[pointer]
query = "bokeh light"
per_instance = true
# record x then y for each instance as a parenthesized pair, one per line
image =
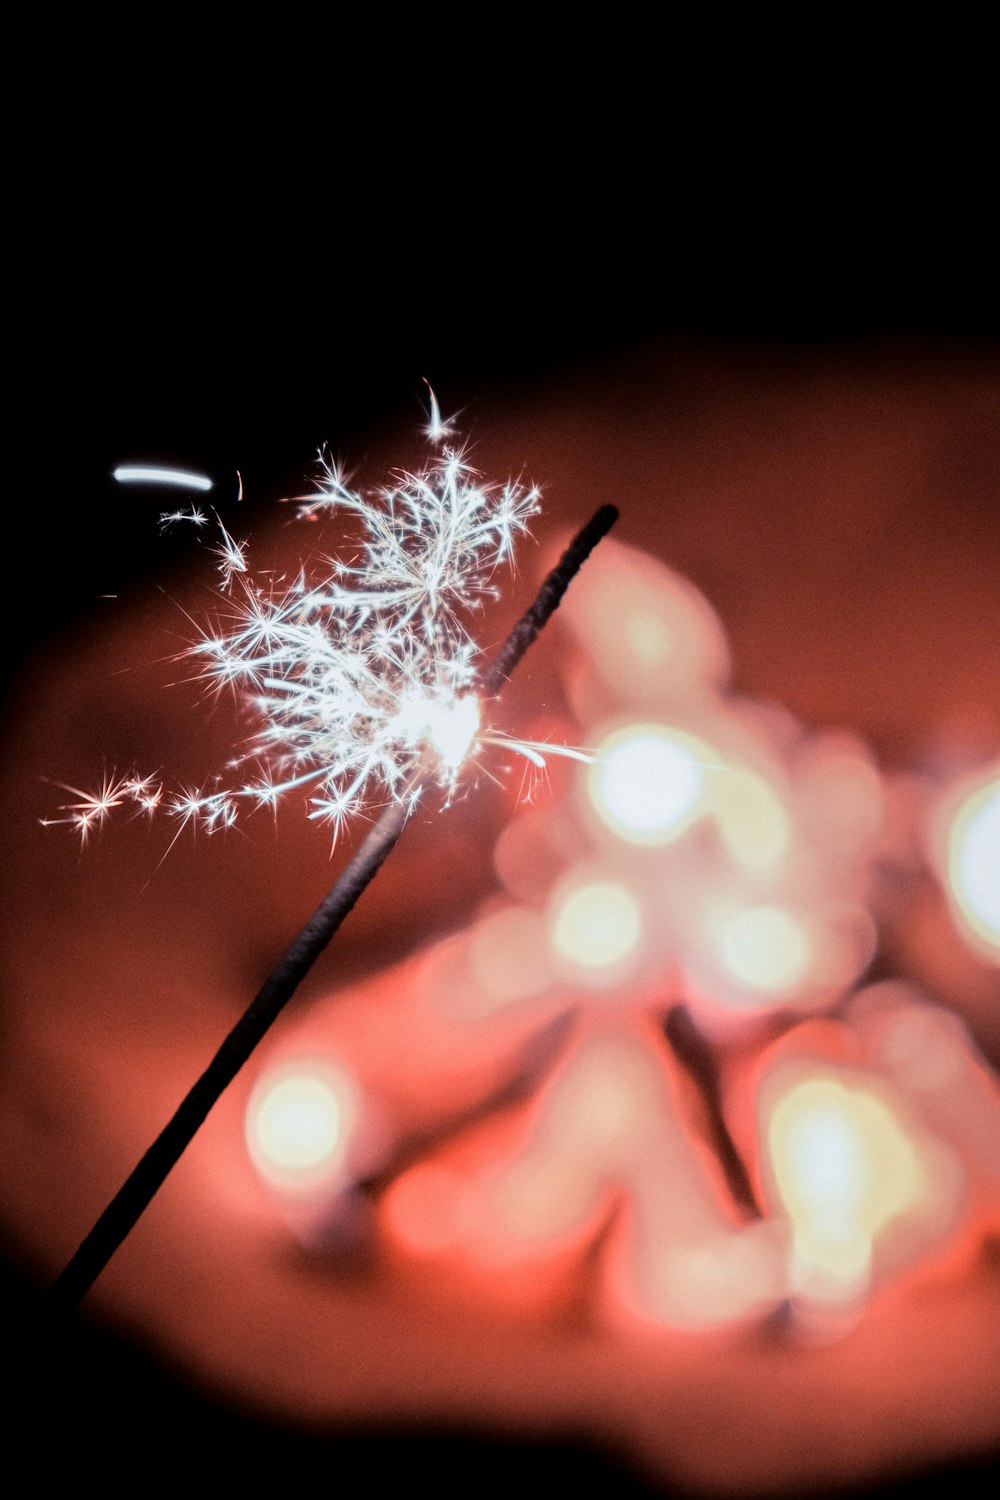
(597, 926)
(753, 824)
(647, 782)
(973, 857)
(767, 948)
(844, 1169)
(552, 1085)
(299, 1120)
(650, 635)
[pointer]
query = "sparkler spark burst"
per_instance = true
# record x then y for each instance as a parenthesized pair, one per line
(362, 678)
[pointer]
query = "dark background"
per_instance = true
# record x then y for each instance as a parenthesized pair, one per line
(241, 322)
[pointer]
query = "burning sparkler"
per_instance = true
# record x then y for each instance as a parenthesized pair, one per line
(361, 677)
(362, 680)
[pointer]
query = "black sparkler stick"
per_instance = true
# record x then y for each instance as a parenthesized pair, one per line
(135, 1194)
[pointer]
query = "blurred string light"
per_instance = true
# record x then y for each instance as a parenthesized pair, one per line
(931, 1054)
(724, 842)
(870, 1160)
(511, 959)
(605, 1150)
(719, 853)
(753, 823)
(651, 637)
(556, 1170)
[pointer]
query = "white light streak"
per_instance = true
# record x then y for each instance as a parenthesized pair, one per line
(146, 474)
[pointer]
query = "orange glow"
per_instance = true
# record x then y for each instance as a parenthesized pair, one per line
(511, 958)
(420, 1210)
(606, 1145)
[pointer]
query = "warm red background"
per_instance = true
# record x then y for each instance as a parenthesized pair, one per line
(838, 505)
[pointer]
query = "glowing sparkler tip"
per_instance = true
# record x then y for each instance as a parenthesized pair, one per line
(448, 724)
(647, 782)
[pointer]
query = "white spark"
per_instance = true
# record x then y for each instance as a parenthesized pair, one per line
(146, 474)
(232, 557)
(360, 678)
(193, 514)
(93, 808)
(437, 429)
